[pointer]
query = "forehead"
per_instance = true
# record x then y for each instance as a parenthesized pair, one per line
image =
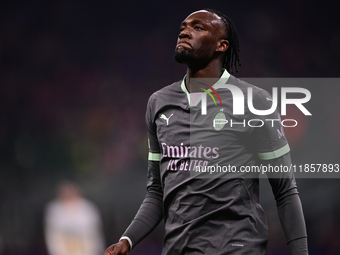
(205, 17)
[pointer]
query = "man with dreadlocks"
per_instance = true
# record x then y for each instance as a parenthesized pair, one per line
(207, 213)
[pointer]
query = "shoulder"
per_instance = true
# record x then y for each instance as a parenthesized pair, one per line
(243, 85)
(52, 205)
(164, 96)
(259, 95)
(89, 205)
(167, 91)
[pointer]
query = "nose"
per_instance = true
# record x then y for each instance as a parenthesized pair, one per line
(184, 33)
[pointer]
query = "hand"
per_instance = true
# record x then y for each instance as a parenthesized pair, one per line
(120, 248)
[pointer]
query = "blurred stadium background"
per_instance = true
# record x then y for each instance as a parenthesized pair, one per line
(74, 81)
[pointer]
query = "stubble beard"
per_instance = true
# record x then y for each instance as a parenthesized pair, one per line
(184, 56)
(190, 59)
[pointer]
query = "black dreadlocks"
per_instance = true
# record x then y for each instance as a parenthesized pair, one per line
(232, 57)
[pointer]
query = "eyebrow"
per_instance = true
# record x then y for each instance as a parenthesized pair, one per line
(195, 21)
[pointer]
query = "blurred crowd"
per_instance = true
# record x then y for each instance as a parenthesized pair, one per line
(74, 81)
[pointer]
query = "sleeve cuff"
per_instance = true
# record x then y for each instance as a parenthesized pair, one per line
(154, 156)
(128, 239)
(274, 154)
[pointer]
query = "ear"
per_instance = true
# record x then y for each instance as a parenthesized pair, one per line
(223, 45)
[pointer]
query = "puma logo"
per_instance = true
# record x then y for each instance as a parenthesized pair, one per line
(166, 118)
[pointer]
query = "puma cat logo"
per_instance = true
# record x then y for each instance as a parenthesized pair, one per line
(166, 118)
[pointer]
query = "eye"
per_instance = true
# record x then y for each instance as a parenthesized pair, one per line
(198, 28)
(181, 29)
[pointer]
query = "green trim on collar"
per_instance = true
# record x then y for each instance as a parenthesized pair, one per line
(225, 75)
(184, 88)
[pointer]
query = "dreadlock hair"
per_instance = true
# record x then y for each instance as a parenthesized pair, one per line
(232, 57)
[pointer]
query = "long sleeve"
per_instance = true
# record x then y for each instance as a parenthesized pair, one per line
(150, 212)
(272, 148)
(289, 207)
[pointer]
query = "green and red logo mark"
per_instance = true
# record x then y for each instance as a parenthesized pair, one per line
(208, 92)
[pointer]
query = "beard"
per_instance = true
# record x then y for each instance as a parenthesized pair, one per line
(184, 57)
(192, 57)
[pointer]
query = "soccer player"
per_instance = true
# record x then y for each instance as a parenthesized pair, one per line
(216, 211)
(73, 224)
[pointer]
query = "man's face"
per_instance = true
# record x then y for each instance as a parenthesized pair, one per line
(200, 38)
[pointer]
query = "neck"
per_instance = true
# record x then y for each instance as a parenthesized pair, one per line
(213, 71)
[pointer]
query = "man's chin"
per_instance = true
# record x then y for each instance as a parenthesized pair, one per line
(183, 56)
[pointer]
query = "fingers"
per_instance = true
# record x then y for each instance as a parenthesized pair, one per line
(109, 250)
(117, 249)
